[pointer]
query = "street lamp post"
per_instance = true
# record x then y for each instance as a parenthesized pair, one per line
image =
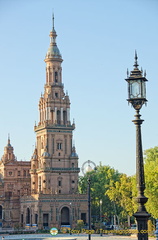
(137, 97)
(91, 166)
(70, 216)
(101, 217)
(89, 208)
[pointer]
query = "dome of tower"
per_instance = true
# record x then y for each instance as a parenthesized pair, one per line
(74, 154)
(53, 52)
(46, 153)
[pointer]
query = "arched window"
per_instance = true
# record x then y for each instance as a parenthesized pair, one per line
(22, 218)
(39, 183)
(64, 117)
(36, 218)
(28, 216)
(65, 216)
(58, 117)
(56, 77)
(0, 212)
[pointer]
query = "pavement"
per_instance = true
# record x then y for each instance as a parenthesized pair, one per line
(65, 237)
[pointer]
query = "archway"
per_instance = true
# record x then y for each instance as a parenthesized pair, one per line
(65, 216)
(28, 216)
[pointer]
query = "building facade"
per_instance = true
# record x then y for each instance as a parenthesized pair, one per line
(49, 197)
(15, 182)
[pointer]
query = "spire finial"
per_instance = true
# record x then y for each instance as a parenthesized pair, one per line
(136, 63)
(8, 138)
(53, 20)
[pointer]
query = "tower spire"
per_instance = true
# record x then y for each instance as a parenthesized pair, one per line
(53, 51)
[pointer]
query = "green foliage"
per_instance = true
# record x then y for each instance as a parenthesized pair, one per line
(121, 194)
(118, 191)
(151, 227)
(101, 179)
(80, 224)
(151, 179)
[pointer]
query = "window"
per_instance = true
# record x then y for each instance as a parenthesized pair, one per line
(22, 218)
(56, 77)
(0, 212)
(58, 117)
(73, 181)
(59, 146)
(18, 173)
(59, 191)
(36, 218)
(56, 95)
(10, 173)
(53, 145)
(59, 183)
(73, 165)
(65, 146)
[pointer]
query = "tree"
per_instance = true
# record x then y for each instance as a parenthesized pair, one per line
(120, 192)
(151, 179)
(100, 182)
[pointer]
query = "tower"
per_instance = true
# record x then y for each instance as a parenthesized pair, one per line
(54, 199)
(57, 162)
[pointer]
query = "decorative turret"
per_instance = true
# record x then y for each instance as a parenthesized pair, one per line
(34, 167)
(8, 155)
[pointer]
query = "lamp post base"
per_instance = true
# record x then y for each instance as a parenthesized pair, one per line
(142, 224)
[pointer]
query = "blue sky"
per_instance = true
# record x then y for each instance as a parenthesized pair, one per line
(97, 40)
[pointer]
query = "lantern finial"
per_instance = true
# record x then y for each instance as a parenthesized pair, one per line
(145, 73)
(127, 73)
(136, 63)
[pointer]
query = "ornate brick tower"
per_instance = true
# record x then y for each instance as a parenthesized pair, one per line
(54, 164)
(57, 161)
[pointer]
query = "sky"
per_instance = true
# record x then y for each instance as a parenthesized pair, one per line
(97, 40)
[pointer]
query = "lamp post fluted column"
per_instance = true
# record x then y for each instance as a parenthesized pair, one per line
(137, 97)
(91, 166)
(89, 208)
(141, 215)
(101, 217)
